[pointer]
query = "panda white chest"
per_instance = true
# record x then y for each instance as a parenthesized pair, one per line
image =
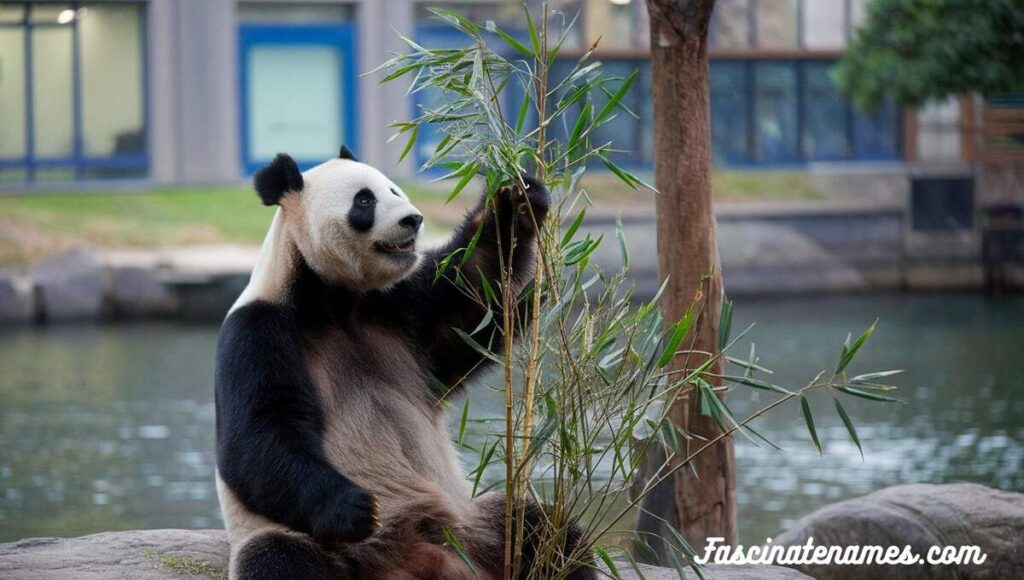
(381, 427)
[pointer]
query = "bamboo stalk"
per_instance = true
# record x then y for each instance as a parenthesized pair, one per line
(532, 371)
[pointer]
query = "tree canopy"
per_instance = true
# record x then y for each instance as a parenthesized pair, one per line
(919, 50)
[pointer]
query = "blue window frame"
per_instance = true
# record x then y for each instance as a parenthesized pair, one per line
(276, 114)
(77, 153)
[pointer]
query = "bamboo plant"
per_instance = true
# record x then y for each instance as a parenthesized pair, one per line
(585, 386)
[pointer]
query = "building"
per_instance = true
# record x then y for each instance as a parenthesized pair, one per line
(205, 91)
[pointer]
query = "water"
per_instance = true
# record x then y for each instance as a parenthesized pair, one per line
(109, 428)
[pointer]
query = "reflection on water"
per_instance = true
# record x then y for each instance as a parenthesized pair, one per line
(106, 428)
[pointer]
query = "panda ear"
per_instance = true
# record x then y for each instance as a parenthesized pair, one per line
(346, 153)
(280, 177)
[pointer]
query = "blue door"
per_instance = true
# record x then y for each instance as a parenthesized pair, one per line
(298, 87)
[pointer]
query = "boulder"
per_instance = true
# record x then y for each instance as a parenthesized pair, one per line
(920, 516)
(71, 287)
(135, 555)
(138, 293)
(17, 298)
(203, 554)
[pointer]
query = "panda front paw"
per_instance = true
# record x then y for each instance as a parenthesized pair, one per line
(532, 203)
(352, 517)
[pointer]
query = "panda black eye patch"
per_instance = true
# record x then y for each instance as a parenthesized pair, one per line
(360, 215)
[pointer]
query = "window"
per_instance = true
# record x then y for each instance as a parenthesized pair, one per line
(775, 112)
(730, 113)
(72, 101)
(827, 115)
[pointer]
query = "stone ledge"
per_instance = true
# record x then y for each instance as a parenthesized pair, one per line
(203, 555)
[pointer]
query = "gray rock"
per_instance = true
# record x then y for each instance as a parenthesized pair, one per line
(17, 298)
(71, 287)
(135, 555)
(921, 516)
(138, 293)
(158, 554)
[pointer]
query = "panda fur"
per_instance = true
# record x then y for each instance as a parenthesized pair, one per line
(333, 457)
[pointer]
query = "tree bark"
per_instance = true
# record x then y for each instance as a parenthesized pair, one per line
(699, 502)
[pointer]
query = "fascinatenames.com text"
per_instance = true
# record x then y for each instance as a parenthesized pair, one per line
(717, 552)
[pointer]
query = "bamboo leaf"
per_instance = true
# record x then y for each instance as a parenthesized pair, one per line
(757, 384)
(678, 333)
(478, 347)
(724, 324)
(488, 316)
(607, 559)
(850, 351)
(616, 98)
(809, 419)
(462, 422)
(534, 39)
(868, 396)
(872, 377)
(409, 143)
(849, 427)
(515, 44)
(573, 227)
(621, 235)
(485, 460)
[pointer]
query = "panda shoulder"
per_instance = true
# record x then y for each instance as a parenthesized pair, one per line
(257, 331)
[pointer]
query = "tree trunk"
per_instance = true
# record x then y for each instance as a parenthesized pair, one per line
(701, 504)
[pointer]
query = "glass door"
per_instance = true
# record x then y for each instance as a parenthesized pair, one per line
(298, 90)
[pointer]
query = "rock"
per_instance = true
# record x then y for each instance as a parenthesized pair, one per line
(203, 554)
(921, 516)
(716, 572)
(136, 555)
(17, 298)
(137, 293)
(71, 287)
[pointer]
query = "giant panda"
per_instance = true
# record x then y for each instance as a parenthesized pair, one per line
(333, 459)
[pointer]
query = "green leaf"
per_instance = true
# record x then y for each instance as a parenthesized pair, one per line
(849, 426)
(678, 333)
(409, 143)
(571, 231)
(616, 98)
(810, 423)
(478, 347)
(524, 108)
(621, 235)
(515, 44)
(724, 324)
(485, 460)
(851, 351)
(868, 396)
(757, 384)
(607, 559)
(534, 39)
(872, 377)
(462, 422)
(488, 316)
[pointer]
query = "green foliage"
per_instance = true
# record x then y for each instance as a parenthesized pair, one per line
(920, 50)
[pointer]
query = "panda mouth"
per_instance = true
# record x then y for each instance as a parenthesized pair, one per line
(400, 248)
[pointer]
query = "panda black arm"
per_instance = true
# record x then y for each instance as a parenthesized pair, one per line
(447, 307)
(269, 427)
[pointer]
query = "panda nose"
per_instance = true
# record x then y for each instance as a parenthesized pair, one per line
(412, 221)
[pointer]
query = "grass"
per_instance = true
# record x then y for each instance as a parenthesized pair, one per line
(186, 565)
(36, 226)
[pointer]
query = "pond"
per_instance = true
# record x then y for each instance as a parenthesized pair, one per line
(111, 427)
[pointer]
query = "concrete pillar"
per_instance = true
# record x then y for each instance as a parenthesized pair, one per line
(379, 104)
(193, 91)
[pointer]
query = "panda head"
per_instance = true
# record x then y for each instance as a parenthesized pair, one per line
(353, 226)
